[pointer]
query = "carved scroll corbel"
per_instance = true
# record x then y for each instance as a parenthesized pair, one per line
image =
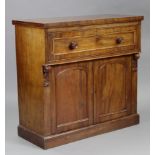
(136, 56)
(46, 69)
(134, 61)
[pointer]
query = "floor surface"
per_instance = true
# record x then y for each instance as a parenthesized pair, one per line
(128, 141)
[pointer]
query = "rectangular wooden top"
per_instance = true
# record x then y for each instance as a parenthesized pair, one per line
(78, 21)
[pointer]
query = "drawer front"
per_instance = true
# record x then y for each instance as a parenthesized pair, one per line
(96, 41)
(76, 44)
(115, 40)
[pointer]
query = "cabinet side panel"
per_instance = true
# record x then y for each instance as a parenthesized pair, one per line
(30, 55)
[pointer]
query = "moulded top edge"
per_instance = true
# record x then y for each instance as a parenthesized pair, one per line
(77, 21)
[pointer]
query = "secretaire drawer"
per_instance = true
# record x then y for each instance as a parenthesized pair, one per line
(82, 44)
(95, 41)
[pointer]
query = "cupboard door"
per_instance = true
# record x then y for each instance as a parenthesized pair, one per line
(71, 86)
(112, 87)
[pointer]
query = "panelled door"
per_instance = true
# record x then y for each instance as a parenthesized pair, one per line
(87, 93)
(112, 88)
(71, 88)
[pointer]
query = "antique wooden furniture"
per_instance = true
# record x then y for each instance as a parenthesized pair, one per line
(77, 76)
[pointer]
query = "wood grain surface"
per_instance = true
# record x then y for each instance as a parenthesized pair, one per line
(78, 20)
(77, 76)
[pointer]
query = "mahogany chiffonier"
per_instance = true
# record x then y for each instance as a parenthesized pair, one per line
(77, 76)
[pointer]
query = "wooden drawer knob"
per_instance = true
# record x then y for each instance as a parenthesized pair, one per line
(119, 40)
(73, 45)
